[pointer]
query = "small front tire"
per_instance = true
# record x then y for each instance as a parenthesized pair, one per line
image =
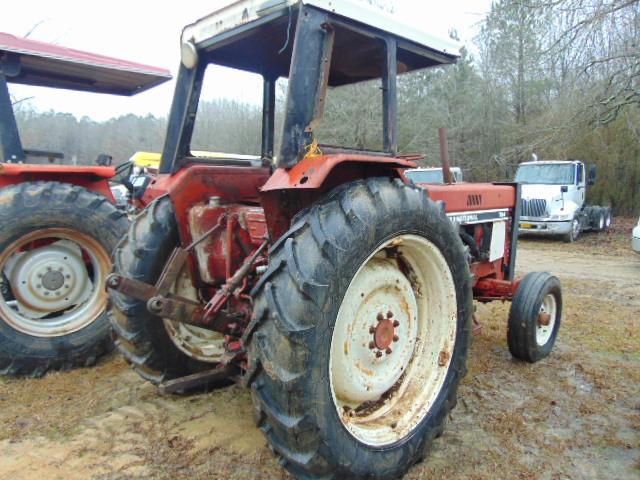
(534, 318)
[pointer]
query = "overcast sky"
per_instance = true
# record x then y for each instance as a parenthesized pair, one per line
(148, 32)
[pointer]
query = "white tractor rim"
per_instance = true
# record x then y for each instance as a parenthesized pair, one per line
(546, 319)
(58, 287)
(393, 340)
(198, 343)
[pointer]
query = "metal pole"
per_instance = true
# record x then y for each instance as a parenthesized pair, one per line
(10, 144)
(444, 156)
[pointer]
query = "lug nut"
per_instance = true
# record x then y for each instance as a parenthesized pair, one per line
(380, 317)
(67, 276)
(38, 286)
(388, 351)
(372, 345)
(396, 323)
(39, 275)
(396, 338)
(389, 314)
(112, 282)
(48, 269)
(372, 329)
(46, 293)
(378, 354)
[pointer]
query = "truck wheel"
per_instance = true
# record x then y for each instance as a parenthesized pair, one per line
(608, 217)
(534, 318)
(573, 234)
(55, 244)
(360, 333)
(158, 349)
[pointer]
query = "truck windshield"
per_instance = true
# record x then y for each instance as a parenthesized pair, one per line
(425, 176)
(547, 174)
(432, 176)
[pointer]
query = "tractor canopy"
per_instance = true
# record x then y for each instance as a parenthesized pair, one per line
(258, 36)
(315, 44)
(30, 62)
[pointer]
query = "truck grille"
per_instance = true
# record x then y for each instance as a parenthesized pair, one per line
(535, 207)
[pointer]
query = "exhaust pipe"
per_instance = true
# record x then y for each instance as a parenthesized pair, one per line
(444, 156)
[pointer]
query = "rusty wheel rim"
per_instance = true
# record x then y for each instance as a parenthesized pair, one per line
(198, 343)
(393, 340)
(57, 280)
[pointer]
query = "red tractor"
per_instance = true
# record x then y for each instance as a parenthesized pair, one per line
(340, 293)
(59, 222)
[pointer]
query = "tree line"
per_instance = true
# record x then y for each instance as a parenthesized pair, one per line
(558, 78)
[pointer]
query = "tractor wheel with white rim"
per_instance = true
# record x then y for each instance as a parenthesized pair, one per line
(158, 349)
(360, 332)
(534, 318)
(55, 246)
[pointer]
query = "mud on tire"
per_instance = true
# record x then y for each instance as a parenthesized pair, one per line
(140, 336)
(297, 303)
(25, 210)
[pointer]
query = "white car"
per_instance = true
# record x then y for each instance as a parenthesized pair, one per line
(635, 238)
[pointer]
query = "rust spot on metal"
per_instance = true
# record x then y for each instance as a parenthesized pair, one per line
(443, 357)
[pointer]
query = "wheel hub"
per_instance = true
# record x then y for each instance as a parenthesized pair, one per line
(49, 279)
(53, 280)
(384, 333)
(373, 362)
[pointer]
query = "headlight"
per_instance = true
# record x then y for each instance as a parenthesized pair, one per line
(560, 216)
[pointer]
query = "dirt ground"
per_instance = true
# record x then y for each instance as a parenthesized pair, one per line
(575, 415)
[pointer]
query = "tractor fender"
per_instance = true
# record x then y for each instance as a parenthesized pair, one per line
(312, 172)
(94, 178)
(289, 191)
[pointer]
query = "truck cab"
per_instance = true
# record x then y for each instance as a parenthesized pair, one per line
(554, 199)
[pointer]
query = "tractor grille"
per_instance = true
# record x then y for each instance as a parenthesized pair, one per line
(535, 207)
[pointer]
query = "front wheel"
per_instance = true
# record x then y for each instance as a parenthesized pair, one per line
(55, 246)
(534, 318)
(573, 234)
(360, 333)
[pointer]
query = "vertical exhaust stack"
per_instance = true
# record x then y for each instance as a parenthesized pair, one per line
(444, 156)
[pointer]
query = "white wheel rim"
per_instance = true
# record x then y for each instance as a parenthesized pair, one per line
(601, 223)
(381, 396)
(198, 343)
(576, 228)
(548, 307)
(58, 287)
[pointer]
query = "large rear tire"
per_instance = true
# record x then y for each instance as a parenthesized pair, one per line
(158, 349)
(360, 333)
(55, 246)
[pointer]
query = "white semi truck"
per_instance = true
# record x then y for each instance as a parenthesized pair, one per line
(553, 199)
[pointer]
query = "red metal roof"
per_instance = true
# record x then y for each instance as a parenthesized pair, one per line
(31, 62)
